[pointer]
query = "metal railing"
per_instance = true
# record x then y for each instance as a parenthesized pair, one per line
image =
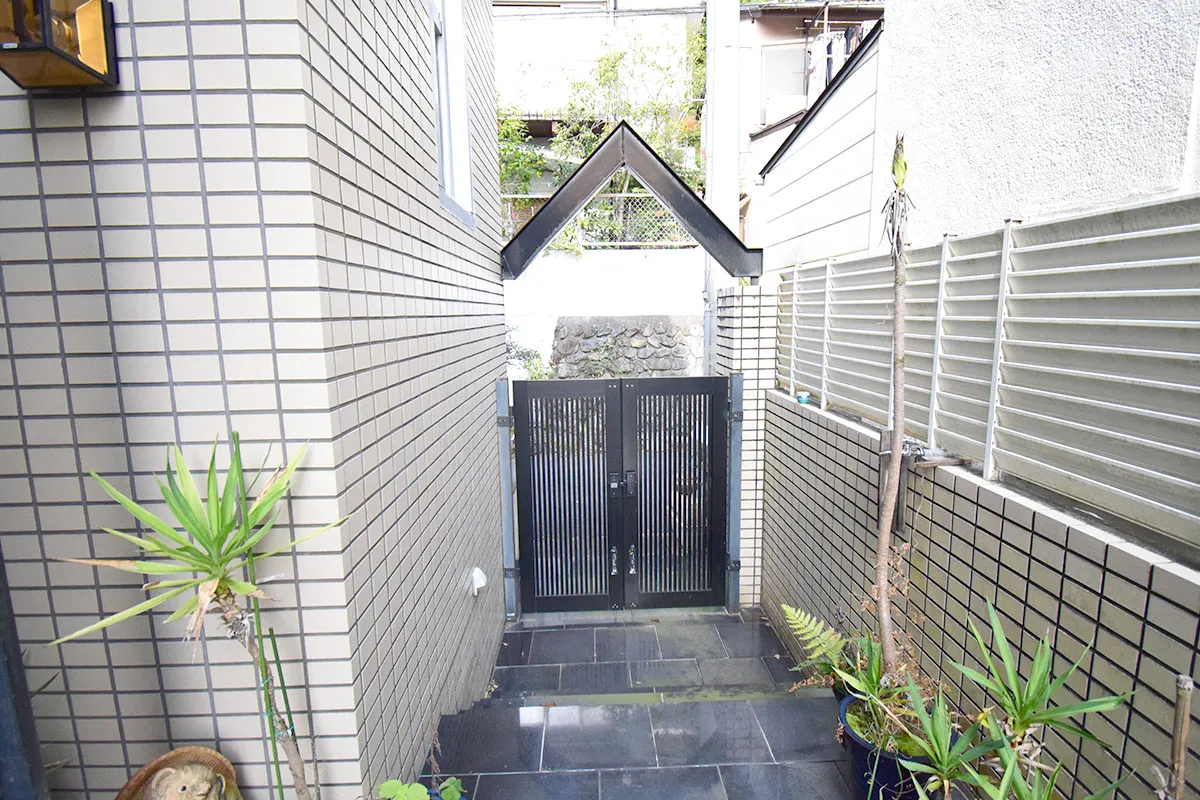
(1065, 353)
(610, 220)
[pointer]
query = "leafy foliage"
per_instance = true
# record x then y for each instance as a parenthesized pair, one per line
(219, 532)
(520, 161)
(823, 645)
(946, 756)
(399, 790)
(1026, 705)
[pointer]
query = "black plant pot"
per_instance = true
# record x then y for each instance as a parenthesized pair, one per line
(878, 773)
(839, 691)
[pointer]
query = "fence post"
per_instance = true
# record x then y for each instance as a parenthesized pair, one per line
(825, 335)
(733, 557)
(507, 529)
(795, 335)
(931, 430)
(989, 445)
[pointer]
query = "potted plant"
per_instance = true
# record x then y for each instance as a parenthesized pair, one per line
(208, 556)
(905, 741)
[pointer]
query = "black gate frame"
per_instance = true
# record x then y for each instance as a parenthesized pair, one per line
(620, 397)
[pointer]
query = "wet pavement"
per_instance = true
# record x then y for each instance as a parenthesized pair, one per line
(681, 704)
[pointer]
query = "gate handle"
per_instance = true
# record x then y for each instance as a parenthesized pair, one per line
(630, 483)
(632, 559)
(615, 566)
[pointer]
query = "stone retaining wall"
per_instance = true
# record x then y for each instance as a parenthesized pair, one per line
(641, 346)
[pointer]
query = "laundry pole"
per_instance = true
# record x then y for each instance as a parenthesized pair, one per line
(721, 148)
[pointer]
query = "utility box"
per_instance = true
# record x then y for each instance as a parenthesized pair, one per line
(58, 43)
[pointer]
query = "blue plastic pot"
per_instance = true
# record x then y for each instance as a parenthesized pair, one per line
(878, 773)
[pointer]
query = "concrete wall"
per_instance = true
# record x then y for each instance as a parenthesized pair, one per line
(746, 326)
(601, 283)
(247, 236)
(974, 541)
(818, 198)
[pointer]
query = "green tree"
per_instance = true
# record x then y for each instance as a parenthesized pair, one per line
(520, 161)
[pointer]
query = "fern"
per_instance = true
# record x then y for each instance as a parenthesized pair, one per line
(821, 642)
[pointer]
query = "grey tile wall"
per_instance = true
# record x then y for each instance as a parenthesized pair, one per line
(974, 541)
(247, 236)
(746, 330)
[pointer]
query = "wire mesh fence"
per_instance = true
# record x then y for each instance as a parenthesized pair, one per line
(627, 220)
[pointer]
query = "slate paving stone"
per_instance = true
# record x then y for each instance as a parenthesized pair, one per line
(627, 644)
(590, 737)
(539, 786)
(688, 783)
(588, 678)
(517, 680)
(800, 729)
(514, 649)
(563, 647)
(781, 670)
(690, 641)
(816, 781)
(660, 674)
(708, 733)
(735, 672)
(749, 640)
(491, 739)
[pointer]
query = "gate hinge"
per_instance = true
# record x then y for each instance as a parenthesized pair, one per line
(510, 572)
(504, 422)
(736, 416)
(735, 565)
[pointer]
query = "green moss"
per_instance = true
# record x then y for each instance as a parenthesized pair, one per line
(902, 743)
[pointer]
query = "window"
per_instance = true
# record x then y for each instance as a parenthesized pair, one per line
(783, 68)
(450, 68)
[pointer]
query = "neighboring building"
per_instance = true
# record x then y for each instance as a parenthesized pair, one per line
(625, 238)
(276, 224)
(1089, 106)
(789, 53)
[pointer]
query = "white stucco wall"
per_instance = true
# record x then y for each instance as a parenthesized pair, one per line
(1018, 109)
(601, 283)
(1032, 107)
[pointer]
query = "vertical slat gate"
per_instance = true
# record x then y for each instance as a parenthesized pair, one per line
(622, 492)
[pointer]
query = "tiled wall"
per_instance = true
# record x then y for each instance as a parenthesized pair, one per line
(973, 541)
(247, 236)
(746, 317)
(416, 331)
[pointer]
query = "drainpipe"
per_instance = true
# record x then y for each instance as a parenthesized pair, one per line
(722, 146)
(504, 422)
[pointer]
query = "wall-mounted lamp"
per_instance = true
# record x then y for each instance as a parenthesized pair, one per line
(58, 43)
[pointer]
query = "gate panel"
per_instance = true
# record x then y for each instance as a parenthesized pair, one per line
(675, 455)
(568, 441)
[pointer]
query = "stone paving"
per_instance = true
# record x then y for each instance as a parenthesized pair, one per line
(684, 705)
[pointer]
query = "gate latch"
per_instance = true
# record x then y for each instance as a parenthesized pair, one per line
(735, 565)
(616, 567)
(504, 422)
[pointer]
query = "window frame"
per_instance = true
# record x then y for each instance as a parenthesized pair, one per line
(452, 109)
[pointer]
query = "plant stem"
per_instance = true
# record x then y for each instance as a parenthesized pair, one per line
(891, 490)
(237, 624)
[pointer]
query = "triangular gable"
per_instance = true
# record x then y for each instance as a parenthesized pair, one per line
(624, 148)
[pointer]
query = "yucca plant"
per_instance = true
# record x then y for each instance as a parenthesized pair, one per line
(211, 556)
(1026, 704)
(947, 756)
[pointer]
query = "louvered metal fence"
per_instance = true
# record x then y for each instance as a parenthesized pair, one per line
(1065, 353)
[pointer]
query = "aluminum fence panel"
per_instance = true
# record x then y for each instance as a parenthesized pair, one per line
(1065, 353)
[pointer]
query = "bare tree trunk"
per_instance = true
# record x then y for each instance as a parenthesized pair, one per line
(891, 487)
(239, 628)
(895, 219)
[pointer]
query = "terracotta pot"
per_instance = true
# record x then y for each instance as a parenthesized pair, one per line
(133, 788)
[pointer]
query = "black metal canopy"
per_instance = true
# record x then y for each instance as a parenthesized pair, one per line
(624, 148)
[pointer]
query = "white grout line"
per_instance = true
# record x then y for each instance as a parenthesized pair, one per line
(763, 731)
(653, 736)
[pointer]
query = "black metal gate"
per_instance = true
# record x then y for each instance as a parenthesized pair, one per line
(621, 492)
